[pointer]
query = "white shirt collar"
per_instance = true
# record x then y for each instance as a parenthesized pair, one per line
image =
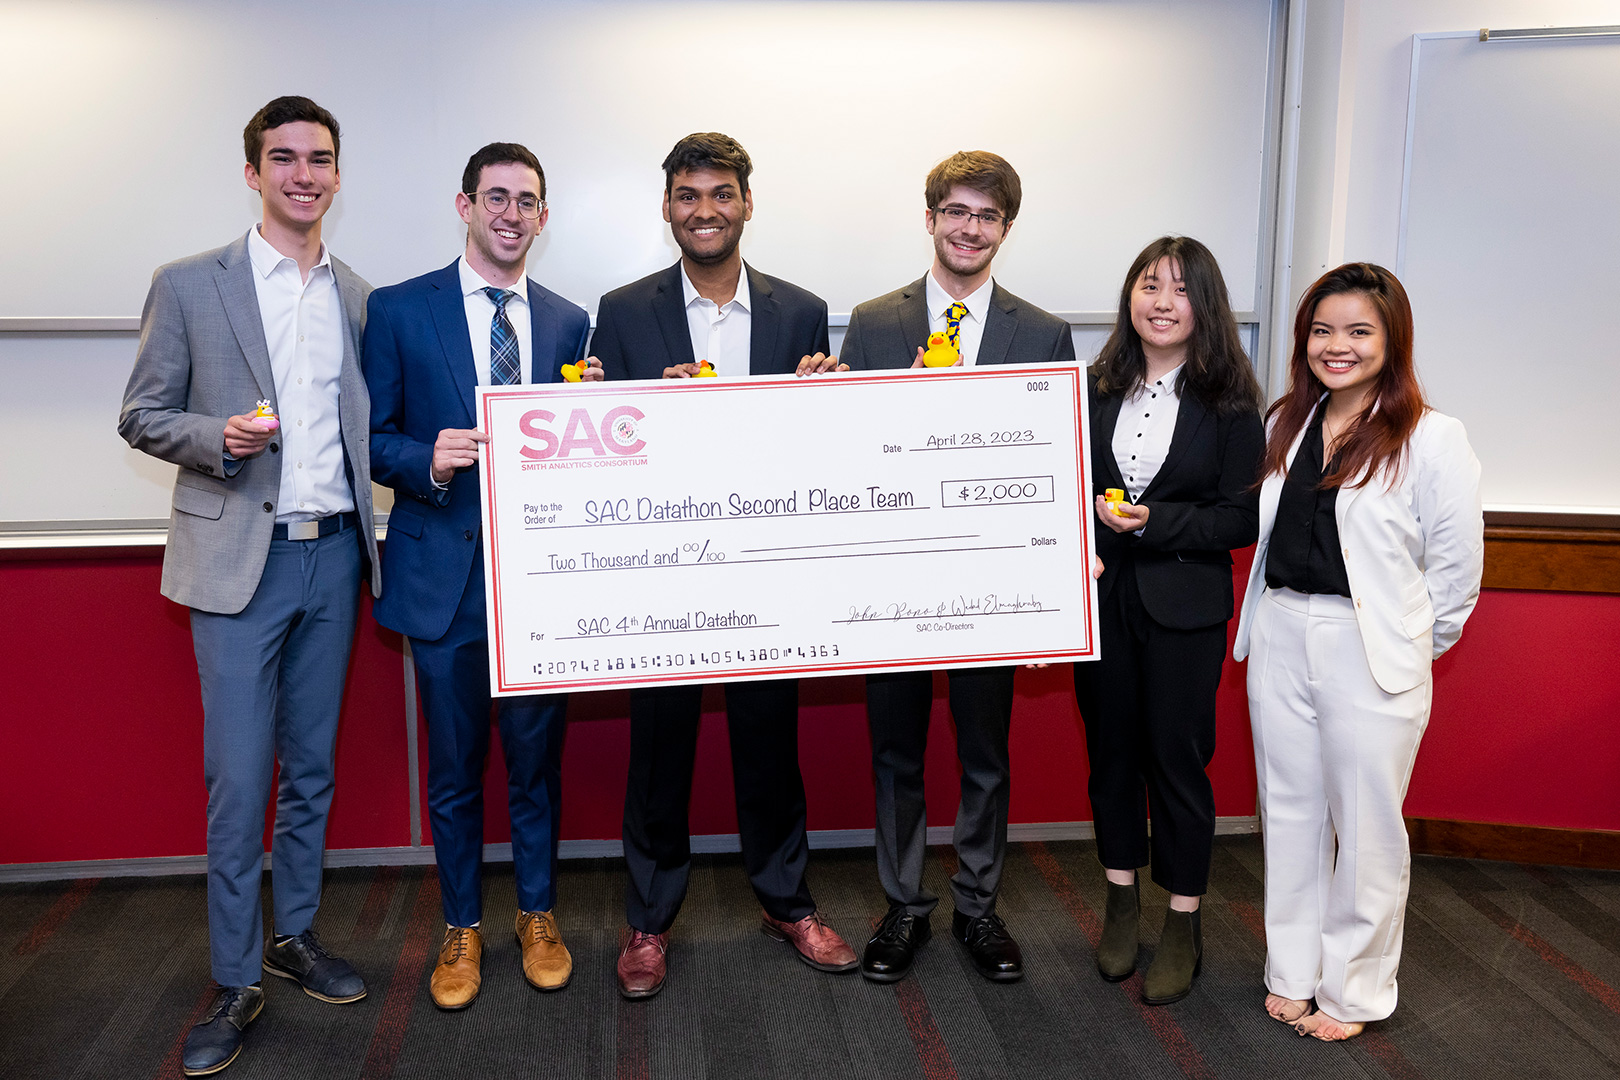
(977, 302)
(1170, 381)
(739, 296)
(266, 258)
(473, 282)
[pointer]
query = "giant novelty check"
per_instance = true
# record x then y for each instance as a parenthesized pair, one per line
(654, 533)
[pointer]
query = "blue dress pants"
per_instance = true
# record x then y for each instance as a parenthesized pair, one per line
(272, 686)
(452, 676)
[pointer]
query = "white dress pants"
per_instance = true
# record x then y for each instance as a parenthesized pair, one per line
(1333, 753)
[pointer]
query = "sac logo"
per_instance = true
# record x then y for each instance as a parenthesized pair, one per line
(581, 435)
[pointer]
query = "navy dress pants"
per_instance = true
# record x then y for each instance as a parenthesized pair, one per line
(452, 675)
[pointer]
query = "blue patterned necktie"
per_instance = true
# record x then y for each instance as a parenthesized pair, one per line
(505, 369)
(953, 324)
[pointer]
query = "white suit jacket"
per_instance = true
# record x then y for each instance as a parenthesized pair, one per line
(1414, 553)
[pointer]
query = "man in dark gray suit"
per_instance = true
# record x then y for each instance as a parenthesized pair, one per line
(270, 527)
(972, 198)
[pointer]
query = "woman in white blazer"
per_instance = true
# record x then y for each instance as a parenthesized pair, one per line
(1369, 561)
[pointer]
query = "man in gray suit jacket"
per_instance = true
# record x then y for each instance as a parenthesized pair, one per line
(270, 527)
(972, 198)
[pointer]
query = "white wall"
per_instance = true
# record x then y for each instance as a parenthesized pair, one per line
(1348, 174)
(120, 149)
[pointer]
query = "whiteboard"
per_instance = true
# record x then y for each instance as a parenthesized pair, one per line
(1509, 241)
(122, 150)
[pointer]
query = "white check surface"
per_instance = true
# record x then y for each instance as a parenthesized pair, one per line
(644, 534)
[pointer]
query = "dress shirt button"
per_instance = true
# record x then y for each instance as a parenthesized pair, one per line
(467, 534)
(1146, 415)
(1358, 601)
(300, 464)
(268, 508)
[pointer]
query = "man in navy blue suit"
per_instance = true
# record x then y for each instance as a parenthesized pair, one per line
(710, 306)
(429, 343)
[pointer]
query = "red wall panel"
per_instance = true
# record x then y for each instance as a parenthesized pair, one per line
(101, 729)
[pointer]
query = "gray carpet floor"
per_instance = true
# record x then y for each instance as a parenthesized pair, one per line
(1508, 971)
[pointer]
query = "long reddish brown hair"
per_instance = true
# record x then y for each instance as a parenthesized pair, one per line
(1376, 441)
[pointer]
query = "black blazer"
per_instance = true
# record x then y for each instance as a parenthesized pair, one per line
(1200, 508)
(641, 328)
(886, 332)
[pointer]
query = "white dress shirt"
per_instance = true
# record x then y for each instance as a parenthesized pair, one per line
(1147, 420)
(977, 303)
(481, 317)
(722, 334)
(303, 330)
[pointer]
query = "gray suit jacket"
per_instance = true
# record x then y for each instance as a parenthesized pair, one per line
(203, 358)
(886, 332)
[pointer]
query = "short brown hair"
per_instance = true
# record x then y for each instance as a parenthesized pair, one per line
(500, 153)
(291, 109)
(708, 150)
(980, 170)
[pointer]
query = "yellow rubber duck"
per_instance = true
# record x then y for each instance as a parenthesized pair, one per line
(572, 372)
(1115, 499)
(265, 416)
(706, 370)
(941, 353)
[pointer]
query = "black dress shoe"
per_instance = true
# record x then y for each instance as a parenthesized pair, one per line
(321, 974)
(994, 952)
(893, 946)
(214, 1043)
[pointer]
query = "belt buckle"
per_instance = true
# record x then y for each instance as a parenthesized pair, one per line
(303, 530)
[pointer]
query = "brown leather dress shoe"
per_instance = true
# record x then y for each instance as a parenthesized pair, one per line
(817, 943)
(456, 977)
(546, 961)
(641, 964)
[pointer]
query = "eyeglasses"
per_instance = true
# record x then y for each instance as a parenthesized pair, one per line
(961, 214)
(495, 201)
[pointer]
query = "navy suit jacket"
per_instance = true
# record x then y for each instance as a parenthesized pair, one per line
(1202, 505)
(418, 362)
(641, 328)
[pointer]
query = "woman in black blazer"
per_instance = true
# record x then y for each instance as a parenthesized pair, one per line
(1175, 422)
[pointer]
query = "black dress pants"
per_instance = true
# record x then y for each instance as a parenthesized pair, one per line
(897, 710)
(1149, 708)
(763, 721)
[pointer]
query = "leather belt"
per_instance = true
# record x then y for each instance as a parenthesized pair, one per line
(314, 530)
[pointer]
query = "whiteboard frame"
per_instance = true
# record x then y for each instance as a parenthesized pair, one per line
(1595, 512)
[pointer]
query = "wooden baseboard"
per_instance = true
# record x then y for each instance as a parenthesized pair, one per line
(1594, 849)
(1552, 552)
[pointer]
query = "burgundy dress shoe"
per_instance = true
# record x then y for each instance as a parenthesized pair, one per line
(817, 943)
(641, 964)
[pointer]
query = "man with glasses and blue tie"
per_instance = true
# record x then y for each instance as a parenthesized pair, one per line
(971, 199)
(429, 343)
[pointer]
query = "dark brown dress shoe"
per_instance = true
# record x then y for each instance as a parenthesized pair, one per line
(642, 965)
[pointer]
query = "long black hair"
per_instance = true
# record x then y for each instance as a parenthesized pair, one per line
(1217, 370)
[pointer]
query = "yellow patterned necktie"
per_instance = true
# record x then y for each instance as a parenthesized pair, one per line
(953, 324)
